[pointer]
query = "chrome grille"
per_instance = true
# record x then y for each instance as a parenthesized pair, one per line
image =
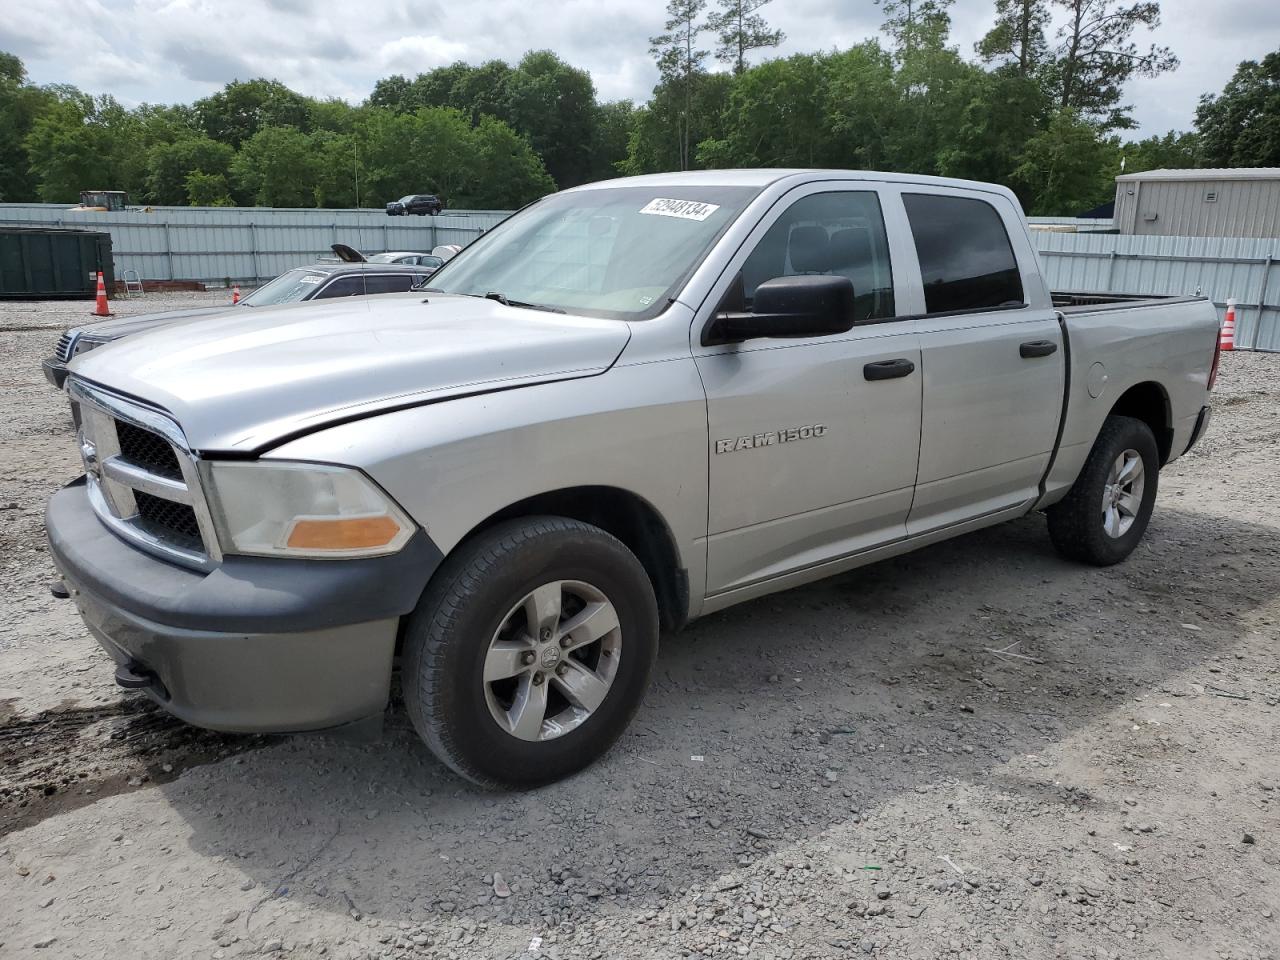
(144, 483)
(66, 345)
(173, 521)
(147, 450)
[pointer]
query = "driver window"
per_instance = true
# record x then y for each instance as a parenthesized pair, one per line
(837, 234)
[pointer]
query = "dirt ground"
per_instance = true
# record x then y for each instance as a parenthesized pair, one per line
(979, 750)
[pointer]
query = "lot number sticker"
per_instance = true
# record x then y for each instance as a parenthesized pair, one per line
(683, 209)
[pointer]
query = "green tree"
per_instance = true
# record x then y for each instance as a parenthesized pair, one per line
(680, 62)
(696, 111)
(1096, 57)
(505, 172)
(80, 143)
(911, 23)
(1064, 169)
(776, 117)
(932, 87)
(739, 30)
(1241, 126)
(862, 104)
(1173, 151)
(169, 165)
(208, 190)
(277, 167)
(553, 105)
(20, 105)
(1017, 38)
(1000, 113)
(234, 114)
(613, 126)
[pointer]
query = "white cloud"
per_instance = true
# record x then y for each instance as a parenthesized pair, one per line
(177, 50)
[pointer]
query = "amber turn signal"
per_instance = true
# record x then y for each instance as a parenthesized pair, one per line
(343, 533)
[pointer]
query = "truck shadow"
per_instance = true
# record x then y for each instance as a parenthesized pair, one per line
(800, 713)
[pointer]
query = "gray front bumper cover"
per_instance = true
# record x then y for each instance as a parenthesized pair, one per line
(258, 644)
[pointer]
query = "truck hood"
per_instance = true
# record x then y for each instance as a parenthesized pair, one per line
(128, 326)
(249, 378)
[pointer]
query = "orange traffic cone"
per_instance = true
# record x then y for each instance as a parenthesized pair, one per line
(100, 308)
(235, 294)
(1227, 337)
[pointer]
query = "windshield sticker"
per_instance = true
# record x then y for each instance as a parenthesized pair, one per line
(311, 278)
(683, 209)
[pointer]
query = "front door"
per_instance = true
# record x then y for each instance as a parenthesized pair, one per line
(814, 441)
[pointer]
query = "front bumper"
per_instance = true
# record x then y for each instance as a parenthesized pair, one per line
(55, 372)
(256, 645)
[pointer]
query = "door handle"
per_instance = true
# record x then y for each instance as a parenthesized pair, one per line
(888, 369)
(1037, 348)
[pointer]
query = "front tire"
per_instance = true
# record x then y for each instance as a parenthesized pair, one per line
(530, 651)
(1102, 519)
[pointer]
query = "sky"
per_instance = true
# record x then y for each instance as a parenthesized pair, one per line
(166, 51)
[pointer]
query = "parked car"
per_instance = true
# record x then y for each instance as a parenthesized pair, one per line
(632, 404)
(419, 204)
(319, 281)
(414, 259)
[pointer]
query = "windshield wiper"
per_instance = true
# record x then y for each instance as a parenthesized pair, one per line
(507, 302)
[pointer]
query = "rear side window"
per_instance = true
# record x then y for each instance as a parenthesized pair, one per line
(399, 283)
(343, 287)
(965, 255)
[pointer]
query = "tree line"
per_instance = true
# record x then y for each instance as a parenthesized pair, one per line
(1040, 109)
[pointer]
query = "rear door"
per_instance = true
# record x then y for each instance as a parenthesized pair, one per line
(812, 458)
(992, 358)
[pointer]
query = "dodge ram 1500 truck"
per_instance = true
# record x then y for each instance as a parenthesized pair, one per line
(631, 404)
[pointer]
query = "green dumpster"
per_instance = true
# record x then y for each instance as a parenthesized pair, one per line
(39, 263)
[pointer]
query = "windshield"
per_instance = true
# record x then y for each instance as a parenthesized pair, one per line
(287, 288)
(384, 257)
(408, 198)
(618, 252)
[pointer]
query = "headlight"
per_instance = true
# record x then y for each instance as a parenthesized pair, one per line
(282, 509)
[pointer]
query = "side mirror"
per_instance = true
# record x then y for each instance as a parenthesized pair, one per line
(804, 306)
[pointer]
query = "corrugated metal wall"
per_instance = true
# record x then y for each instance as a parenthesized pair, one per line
(1243, 208)
(1217, 267)
(243, 244)
(249, 244)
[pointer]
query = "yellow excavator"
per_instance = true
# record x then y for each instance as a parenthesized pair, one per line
(102, 201)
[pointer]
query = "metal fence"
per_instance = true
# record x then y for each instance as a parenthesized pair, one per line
(1217, 267)
(249, 244)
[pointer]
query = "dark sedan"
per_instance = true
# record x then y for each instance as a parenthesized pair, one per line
(417, 204)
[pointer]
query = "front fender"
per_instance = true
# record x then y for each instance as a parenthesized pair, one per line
(640, 428)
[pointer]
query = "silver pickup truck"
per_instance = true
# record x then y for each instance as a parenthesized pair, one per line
(632, 404)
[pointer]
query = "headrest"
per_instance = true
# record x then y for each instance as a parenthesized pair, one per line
(808, 249)
(850, 248)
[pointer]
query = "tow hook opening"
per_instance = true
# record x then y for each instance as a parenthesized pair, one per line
(135, 676)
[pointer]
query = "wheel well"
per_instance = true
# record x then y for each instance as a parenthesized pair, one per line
(633, 521)
(1149, 403)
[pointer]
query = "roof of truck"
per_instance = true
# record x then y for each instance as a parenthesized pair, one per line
(764, 177)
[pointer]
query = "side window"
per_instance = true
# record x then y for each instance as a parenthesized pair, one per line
(838, 233)
(965, 256)
(389, 283)
(343, 287)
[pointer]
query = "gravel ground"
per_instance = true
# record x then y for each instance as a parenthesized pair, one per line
(978, 750)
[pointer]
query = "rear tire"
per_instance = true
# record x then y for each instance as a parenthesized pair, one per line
(1102, 519)
(530, 651)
